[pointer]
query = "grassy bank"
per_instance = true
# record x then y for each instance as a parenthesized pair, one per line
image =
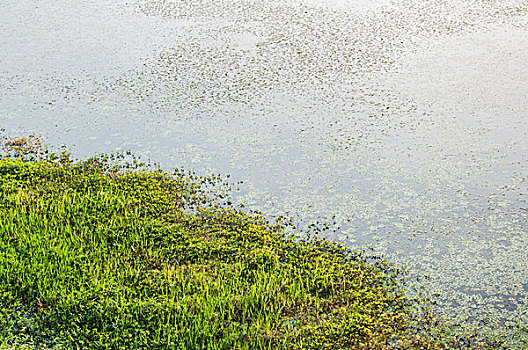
(108, 254)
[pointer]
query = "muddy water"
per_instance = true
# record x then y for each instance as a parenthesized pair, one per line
(405, 119)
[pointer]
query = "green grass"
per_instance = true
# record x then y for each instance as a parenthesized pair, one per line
(104, 254)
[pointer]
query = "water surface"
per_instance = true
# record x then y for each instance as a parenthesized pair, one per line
(404, 119)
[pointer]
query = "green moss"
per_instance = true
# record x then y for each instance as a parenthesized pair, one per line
(106, 254)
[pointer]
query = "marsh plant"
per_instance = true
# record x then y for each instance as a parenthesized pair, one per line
(109, 253)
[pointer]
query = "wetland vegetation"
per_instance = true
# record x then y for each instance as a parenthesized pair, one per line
(110, 253)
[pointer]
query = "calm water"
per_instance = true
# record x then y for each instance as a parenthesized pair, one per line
(407, 120)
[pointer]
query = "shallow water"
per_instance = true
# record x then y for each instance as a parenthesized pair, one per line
(404, 119)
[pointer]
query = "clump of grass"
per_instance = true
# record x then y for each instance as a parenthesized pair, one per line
(105, 254)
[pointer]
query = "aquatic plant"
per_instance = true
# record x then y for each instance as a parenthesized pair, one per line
(110, 253)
